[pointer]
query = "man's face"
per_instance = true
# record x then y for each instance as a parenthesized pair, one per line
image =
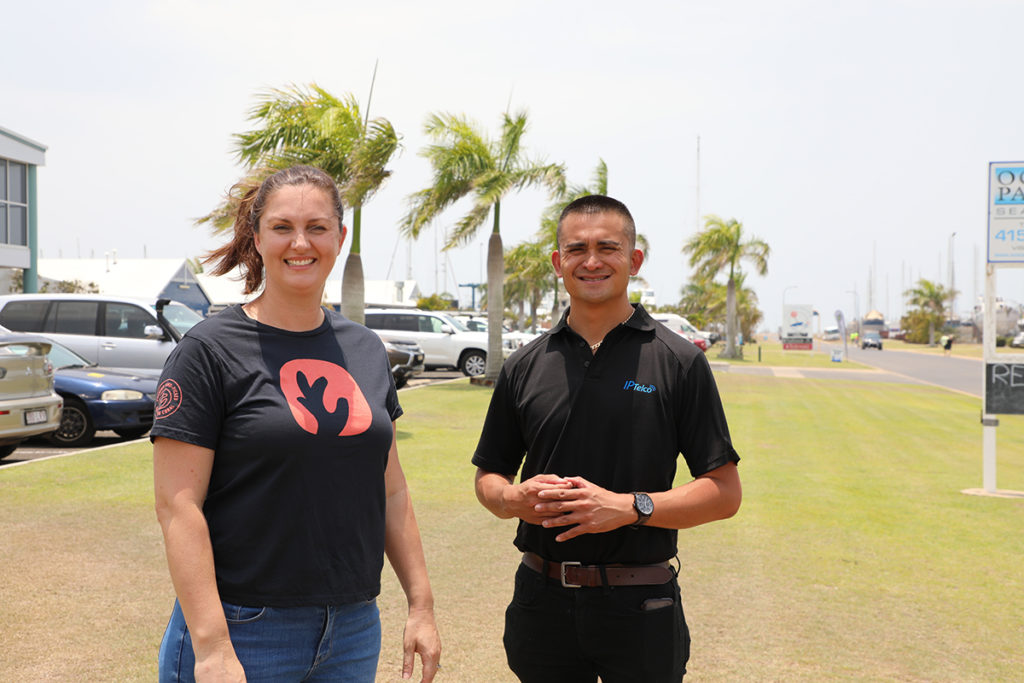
(594, 257)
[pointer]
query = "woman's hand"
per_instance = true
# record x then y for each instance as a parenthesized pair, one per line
(421, 636)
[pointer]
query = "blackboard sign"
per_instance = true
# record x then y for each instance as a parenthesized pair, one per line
(1004, 388)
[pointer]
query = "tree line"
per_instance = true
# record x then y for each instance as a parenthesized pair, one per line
(309, 125)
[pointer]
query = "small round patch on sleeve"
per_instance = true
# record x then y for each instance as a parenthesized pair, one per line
(168, 398)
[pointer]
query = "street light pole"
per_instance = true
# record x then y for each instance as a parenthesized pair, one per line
(856, 308)
(952, 277)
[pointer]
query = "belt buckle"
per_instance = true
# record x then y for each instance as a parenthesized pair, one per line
(565, 584)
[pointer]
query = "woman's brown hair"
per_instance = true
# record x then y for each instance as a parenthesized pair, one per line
(251, 200)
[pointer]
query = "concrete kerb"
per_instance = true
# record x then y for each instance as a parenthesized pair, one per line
(70, 453)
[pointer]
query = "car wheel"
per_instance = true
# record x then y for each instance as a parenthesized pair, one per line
(401, 381)
(473, 363)
(8, 449)
(132, 433)
(76, 427)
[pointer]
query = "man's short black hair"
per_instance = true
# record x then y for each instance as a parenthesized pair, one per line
(599, 203)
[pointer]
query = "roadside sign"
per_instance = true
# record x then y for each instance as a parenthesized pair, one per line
(1004, 388)
(1006, 212)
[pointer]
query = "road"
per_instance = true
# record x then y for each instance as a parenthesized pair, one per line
(902, 367)
(959, 374)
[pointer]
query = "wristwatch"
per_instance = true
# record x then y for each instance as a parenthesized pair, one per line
(644, 507)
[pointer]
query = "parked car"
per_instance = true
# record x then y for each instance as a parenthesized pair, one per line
(446, 342)
(98, 398)
(511, 340)
(28, 404)
(1018, 341)
(871, 340)
(473, 323)
(682, 326)
(406, 359)
(114, 332)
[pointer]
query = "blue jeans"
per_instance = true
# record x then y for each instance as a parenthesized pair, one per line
(332, 643)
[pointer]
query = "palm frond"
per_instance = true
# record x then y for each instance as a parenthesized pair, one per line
(467, 226)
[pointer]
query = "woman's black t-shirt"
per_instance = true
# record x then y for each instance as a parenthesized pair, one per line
(300, 424)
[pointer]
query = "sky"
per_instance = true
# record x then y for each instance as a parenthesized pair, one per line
(853, 137)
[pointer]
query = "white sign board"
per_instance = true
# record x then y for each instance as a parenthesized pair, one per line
(796, 321)
(1006, 212)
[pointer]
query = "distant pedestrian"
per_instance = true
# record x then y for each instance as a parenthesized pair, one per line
(947, 344)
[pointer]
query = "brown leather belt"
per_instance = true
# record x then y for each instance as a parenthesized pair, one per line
(576, 575)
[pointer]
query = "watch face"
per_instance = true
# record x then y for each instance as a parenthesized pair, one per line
(643, 503)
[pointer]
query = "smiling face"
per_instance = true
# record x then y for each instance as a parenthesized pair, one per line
(595, 258)
(299, 237)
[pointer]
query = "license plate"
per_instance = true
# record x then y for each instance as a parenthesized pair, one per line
(34, 417)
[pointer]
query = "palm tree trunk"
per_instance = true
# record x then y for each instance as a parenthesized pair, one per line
(353, 293)
(730, 320)
(534, 303)
(495, 298)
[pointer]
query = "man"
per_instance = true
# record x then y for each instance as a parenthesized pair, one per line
(601, 407)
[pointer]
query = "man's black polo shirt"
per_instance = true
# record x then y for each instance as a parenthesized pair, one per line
(619, 418)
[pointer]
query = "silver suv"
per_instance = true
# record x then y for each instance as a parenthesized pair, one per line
(115, 332)
(446, 342)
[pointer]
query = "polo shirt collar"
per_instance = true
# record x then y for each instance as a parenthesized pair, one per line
(640, 320)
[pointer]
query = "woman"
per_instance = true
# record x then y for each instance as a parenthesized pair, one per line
(278, 485)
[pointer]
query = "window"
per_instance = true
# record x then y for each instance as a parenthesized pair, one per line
(13, 203)
(74, 317)
(24, 316)
(126, 320)
(403, 322)
(429, 323)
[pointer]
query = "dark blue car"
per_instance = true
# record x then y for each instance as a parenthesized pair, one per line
(97, 398)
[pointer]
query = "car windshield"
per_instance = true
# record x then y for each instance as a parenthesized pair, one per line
(872, 335)
(181, 317)
(454, 323)
(63, 357)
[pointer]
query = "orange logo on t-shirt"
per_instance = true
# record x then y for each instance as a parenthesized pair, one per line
(324, 398)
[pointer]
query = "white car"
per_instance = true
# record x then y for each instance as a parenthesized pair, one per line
(445, 341)
(115, 332)
(511, 340)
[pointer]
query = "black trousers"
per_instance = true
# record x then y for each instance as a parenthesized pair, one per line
(573, 635)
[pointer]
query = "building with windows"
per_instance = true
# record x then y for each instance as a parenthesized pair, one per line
(19, 210)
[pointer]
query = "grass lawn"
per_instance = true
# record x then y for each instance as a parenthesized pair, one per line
(855, 555)
(772, 354)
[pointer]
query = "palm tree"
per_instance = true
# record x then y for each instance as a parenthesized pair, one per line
(311, 126)
(527, 269)
(465, 163)
(704, 302)
(930, 298)
(721, 246)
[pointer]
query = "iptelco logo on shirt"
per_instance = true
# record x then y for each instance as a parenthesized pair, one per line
(642, 388)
